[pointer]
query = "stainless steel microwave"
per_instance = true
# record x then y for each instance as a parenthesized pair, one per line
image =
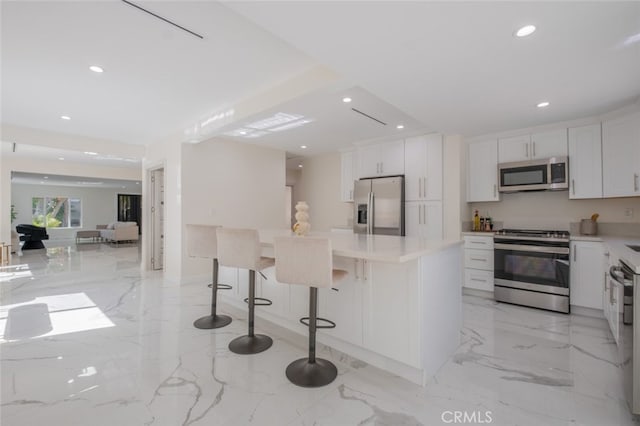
(534, 175)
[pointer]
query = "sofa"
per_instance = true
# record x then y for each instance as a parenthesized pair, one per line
(117, 232)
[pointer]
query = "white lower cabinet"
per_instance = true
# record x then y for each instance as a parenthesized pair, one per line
(392, 334)
(343, 303)
(478, 262)
(587, 274)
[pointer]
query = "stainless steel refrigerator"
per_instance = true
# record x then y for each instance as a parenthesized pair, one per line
(379, 206)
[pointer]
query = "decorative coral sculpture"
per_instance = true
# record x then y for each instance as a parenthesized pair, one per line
(302, 226)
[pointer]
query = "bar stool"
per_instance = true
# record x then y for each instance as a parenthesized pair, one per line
(240, 248)
(202, 242)
(308, 261)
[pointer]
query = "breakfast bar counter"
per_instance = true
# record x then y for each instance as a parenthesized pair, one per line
(399, 308)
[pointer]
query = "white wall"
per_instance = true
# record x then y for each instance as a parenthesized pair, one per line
(553, 210)
(231, 184)
(319, 186)
(99, 206)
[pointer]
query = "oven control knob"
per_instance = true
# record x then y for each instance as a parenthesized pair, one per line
(549, 235)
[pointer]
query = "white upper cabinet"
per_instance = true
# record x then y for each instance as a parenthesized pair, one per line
(514, 149)
(585, 162)
(534, 146)
(549, 144)
(621, 156)
(482, 171)
(349, 174)
(384, 159)
(423, 168)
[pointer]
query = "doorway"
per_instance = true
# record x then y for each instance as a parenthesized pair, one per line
(156, 179)
(130, 209)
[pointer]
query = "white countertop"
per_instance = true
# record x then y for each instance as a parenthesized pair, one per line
(383, 248)
(618, 245)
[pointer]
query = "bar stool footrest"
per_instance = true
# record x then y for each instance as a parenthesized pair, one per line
(331, 324)
(220, 286)
(259, 301)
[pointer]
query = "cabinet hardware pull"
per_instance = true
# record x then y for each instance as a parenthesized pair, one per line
(419, 187)
(424, 187)
(575, 253)
(364, 269)
(420, 207)
(355, 263)
(424, 214)
(479, 259)
(526, 150)
(573, 186)
(495, 194)
(534, 149)
(635, 182)
(478, 242)
(478, 279)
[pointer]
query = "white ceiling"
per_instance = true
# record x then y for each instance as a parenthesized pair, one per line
(452, 67)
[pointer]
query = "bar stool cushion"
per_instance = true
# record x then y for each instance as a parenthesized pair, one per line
(239, 248)
(305, 261)
(202, 241)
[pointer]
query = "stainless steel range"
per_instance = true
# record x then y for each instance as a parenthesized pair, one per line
(531, 268)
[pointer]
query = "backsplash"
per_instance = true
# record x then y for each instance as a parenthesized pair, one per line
(554, 210)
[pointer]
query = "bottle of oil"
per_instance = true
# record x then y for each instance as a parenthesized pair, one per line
(476, 221)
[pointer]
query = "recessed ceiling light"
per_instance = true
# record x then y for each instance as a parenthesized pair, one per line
(300, 165)
(96, 68)
(525, 31)
(346, 100)
(65, 117)
(137, 183)
(46, 177)
(400, 126)
(543, 104)
(90, 153)
(61, 158)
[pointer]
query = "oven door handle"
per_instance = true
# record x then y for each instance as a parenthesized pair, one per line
(616, 273)
(536, 249)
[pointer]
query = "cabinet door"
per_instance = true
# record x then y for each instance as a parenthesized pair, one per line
(621, 156)
(347, 177)
(432, 227)
(343, 303)
(514, 149)
(391, 157)
(432, 186)
(587, 274)
(585, 162)
(482, 171)
(549, 144)
(273, 290)
(413, 218)
(392, 288)
(369, 161)
(415, 160)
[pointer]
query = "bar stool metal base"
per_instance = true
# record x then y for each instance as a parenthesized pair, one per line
(247, 345)
(209, 322)
(303, 373)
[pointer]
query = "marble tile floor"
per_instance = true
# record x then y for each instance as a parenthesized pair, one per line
(87, 339)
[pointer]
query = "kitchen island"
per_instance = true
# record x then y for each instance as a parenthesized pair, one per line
(399, 307)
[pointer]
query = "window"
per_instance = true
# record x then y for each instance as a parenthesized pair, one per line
(56, 212)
